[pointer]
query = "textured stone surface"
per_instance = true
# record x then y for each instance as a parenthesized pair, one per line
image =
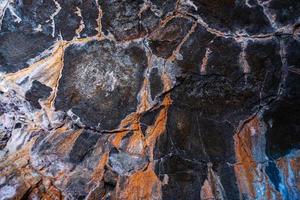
(154, 100)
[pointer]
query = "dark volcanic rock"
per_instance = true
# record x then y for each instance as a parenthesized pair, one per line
(83, 145)
(121, 18)
(156, 85)
(191, 141)
(231, 15)
(101, 81)
(22, 47)
(194, 49)
(67, 21)
(76, 187)
(165, 40)
(19, 39)
(36, 92)
(150, 99)
(265, 66)
(214, 95)
(164, 8)
(90, 13)
(284, 12)
(27, 15)
(185, 177)
(283, 117)
(196, 138)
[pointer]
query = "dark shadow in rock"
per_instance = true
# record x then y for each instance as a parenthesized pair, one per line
(184, 150)
(36, 92)
(283, 117)
(293, 52)
(156, 85)
(195, 137)
(284, 127)
(273, 173)
(110, 177)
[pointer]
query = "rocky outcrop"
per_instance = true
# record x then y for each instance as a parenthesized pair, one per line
(149, 99)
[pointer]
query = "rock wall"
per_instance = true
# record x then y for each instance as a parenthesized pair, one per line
(149, 99)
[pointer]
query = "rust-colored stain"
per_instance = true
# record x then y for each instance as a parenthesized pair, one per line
(141, 185)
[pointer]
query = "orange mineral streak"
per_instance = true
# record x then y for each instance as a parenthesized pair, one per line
(159, 126)
(52, 194)
(57, 132)
(245, 166)
(16, 161)
(212, 187)
(144, 98)
(117, 139)
(46, 70)
(99, 170)
(130, 121)
(67, 143)
(136, 144)
(249, 173)
(290, 167)
(176, 52)
(143, 185)
(166, 81)
(207, 191)
(295, 166)
(33, 183)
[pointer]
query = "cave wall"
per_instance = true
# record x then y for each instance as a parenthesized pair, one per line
(150, 99)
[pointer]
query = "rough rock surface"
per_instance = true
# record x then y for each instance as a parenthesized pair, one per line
(150, 99)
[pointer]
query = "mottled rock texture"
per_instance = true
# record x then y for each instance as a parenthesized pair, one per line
(150, 99)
